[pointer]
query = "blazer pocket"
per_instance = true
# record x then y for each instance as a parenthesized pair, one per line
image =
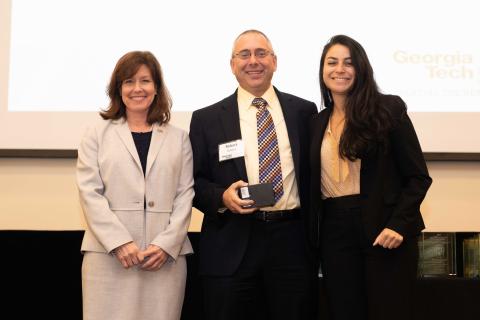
(154, 206)
(134, 205)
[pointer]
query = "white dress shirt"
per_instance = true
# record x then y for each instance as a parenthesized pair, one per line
(248, 127)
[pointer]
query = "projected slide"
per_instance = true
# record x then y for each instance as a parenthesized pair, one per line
(63, 52)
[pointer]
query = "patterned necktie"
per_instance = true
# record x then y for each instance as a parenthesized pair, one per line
(269, 169)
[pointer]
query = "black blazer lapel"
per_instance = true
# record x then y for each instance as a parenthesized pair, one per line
(318, 127)
(230, 121)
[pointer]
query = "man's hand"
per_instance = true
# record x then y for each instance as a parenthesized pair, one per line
(232, 201)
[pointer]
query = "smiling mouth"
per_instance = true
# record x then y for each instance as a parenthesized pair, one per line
(138, 98)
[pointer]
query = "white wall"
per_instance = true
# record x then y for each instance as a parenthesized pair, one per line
(440, 75)
(40, 194)
(453, 201)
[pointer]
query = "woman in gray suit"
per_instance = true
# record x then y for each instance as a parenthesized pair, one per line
(134, 174)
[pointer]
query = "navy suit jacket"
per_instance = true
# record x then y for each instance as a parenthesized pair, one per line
(224, 236)
(393, 181)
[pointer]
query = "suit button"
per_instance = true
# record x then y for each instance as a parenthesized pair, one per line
(151, 203)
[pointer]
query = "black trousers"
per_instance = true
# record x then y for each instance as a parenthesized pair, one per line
(275, 280)
(361, 281)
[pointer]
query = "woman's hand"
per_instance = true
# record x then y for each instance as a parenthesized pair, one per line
(128, 254)
(388, 239)
(153, 258)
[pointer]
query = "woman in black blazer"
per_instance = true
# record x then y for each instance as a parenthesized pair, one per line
(368, 180)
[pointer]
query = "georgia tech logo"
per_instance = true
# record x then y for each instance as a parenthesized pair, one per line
(439, 65)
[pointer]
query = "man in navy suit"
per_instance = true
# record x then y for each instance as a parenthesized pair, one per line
(254, 262)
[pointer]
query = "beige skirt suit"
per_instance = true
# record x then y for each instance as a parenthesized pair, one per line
(121, 204)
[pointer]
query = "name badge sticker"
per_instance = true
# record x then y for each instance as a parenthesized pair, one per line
(230, 150)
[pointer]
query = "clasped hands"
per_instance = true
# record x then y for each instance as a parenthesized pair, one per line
(150, 259)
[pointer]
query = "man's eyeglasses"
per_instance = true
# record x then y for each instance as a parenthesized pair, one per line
(258, 53)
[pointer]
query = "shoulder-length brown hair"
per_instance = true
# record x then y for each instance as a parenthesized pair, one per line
(127, 66)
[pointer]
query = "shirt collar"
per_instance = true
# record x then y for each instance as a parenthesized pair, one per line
(245, 98)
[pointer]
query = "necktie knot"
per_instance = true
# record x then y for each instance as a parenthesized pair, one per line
(259, 103)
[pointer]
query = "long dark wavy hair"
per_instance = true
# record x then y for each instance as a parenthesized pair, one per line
(127, 67)
(367, 122)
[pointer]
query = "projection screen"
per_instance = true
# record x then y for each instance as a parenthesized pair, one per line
(56, 58)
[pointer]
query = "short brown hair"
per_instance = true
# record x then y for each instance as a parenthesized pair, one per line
(127, 66)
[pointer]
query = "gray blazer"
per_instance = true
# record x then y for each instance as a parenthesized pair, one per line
(113, 188)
